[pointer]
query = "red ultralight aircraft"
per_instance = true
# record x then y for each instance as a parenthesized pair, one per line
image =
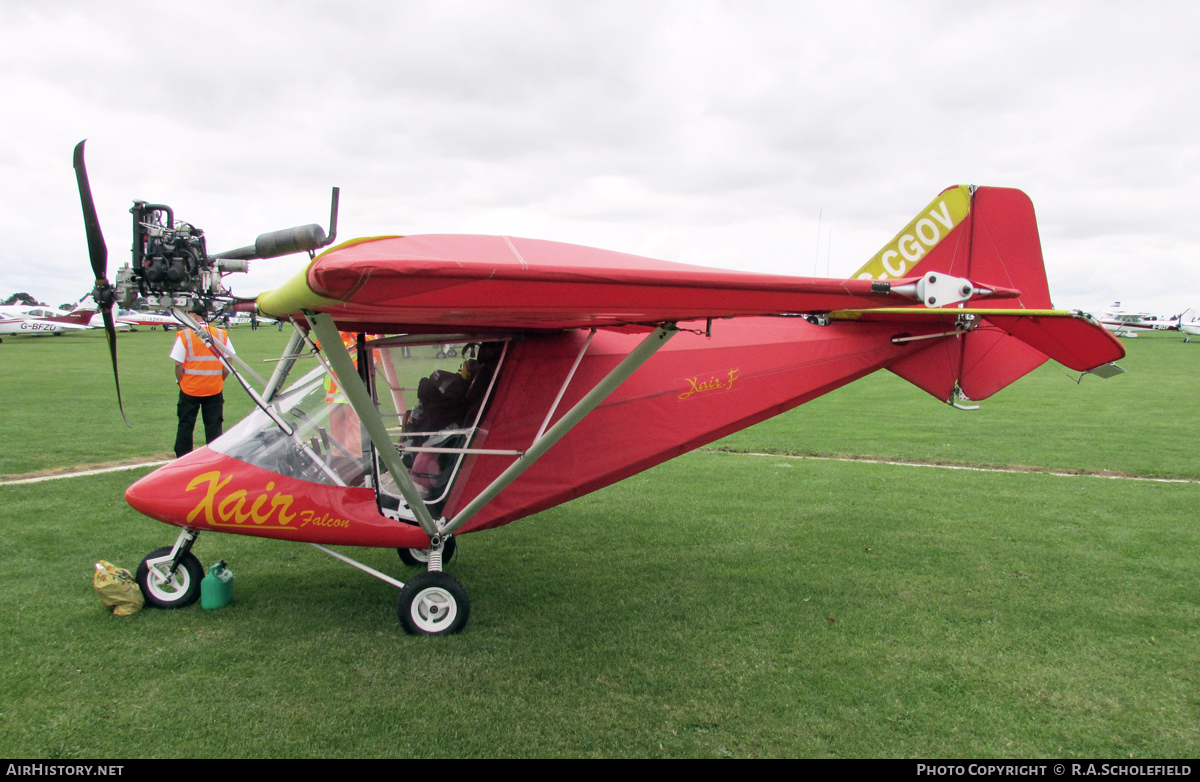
(577, 368)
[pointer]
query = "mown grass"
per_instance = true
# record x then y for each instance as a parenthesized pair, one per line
(1139, 423)
(684, 612)
(64, 411)
(61, 402)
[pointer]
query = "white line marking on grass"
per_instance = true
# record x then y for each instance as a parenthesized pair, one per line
(84, 472)
(731, 453)
(1059, 473)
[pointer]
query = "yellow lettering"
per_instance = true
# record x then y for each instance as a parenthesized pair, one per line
(231, 507)
(216, 509)
(691, 381)
(282, 502)
(711, 383)
(257, 506)
(205, 505)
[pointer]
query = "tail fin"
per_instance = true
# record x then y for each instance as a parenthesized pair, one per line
(988, 235)
(80, 316)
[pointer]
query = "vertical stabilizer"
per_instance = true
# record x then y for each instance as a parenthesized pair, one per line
(995, 242)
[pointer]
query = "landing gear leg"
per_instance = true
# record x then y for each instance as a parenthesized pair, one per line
(420, 556)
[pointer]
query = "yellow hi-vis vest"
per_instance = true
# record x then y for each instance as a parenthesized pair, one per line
(203, 373)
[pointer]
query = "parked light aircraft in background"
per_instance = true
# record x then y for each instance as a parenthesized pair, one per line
(135, 319)
(1128, 324)
(577, 368)
(22, 319)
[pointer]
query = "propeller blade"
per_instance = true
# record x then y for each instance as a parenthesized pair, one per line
(110, 330)
(97, 250)
(103, 293)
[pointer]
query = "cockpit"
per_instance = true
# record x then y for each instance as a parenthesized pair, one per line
(432, 395)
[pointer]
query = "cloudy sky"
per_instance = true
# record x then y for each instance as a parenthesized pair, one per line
(788, 137)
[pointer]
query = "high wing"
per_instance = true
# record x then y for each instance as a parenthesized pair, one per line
(981, 242)
(451, 282)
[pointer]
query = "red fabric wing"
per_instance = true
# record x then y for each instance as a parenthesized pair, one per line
(449, 281)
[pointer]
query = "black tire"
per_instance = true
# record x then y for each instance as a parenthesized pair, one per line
(420, 556)
(433, 604)
(181, 592)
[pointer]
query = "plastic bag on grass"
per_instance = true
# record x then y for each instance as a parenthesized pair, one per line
(117, 588)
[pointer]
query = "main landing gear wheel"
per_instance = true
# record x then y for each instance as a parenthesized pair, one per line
(420, 556)
(162, 590)
(433, 603)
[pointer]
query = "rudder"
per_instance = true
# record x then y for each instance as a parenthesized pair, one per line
(993, 242)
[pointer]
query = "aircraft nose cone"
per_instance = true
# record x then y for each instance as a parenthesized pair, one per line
(162, 494)
(142, 495)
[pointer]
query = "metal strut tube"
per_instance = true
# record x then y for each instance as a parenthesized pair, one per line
(620, 373)
(570, 375)
(360, 399)
(360, 566)
(279, 376)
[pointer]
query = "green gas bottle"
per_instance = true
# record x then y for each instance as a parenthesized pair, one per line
(216, 589)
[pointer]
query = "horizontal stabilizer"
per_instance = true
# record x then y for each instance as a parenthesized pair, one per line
(977, 352)
(1070, 337)
(1074, 340)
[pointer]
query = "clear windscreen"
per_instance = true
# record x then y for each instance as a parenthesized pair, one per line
(430, 396)
(327, 444)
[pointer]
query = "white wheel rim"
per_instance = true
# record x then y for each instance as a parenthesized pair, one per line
(433, 609)
(419, 554)
(166, 589)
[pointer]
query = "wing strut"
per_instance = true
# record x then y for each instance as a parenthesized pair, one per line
(360, 399)
(638, 356)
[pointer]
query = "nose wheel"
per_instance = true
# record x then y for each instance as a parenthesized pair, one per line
(164, 588)
(433, 603)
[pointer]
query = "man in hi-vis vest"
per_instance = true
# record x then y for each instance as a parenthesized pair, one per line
(201, 378)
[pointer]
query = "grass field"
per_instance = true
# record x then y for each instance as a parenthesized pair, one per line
(719, 605)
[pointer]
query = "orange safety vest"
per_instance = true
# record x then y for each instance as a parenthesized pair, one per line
(203, 373)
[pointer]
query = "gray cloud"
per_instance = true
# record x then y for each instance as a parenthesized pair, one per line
(697, 131)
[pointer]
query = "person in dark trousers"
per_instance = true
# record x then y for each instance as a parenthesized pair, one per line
(201, 378)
